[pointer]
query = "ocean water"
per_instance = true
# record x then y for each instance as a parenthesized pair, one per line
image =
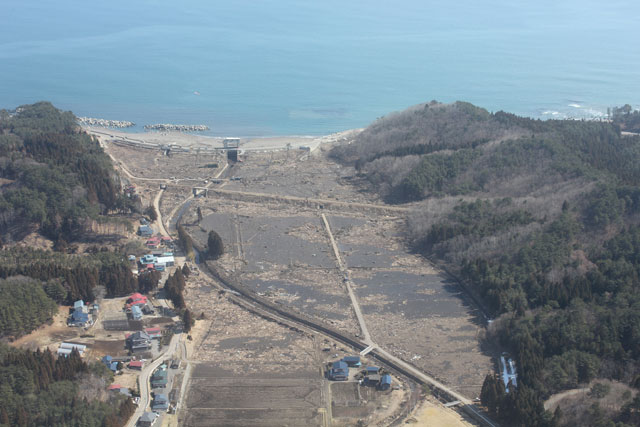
(283, 67)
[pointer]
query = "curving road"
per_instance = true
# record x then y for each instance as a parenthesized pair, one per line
(145, 375)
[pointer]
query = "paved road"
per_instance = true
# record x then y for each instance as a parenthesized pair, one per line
(143, 379)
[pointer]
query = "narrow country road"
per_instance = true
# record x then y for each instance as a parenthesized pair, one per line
(143, 379)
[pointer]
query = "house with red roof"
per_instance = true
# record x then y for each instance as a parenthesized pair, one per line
(154, 332)
(136, 364)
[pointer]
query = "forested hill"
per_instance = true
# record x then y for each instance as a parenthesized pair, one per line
(541, 221)
(52, 175)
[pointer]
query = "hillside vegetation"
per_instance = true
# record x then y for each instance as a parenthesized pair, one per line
(55, 180)
(541, 221)
(53, 176)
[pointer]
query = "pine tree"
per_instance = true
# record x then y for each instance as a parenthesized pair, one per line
(187, 320)
(215, 248)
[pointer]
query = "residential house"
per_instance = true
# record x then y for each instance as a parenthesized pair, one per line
(160, 402)
(339, 371)
(139, 341)
(159, 378)
(147, 419)
(352, 361)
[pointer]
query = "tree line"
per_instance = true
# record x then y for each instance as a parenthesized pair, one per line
(37, 388)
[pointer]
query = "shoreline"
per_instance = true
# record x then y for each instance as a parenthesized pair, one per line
(195, 141)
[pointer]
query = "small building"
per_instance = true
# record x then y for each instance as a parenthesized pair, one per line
(113, 366)
(339, 371)
(120, 389)
(131, 257)
(115, 322)
(145, 231)
(372, 370)
(352, 361)
(136, 364)
(64, 352)
(159, 267)
(160, 402)
(159, 378)
(136, 313)
(385, 382)
(147, 419)
(148, 259)
(154, 333)
(107, 360)
(69, 345)
(372, 380)
(169, 261)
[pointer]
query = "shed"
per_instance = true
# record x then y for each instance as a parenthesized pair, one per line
(115, 322)
(372, 380)
(107, 360)
(78, 305)
(80, 347)
(114, 366)
(385, 382)
(352, 361)
(145, 230)
(169, 261)
(371, 370)
(136, 364)
(64, 352)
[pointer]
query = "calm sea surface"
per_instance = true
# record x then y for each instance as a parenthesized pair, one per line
(260, 67)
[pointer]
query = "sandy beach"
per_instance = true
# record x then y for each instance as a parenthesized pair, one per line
(192, 141)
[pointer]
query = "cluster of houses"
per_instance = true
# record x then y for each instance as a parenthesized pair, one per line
(157, 260)
(372, 376)
(137, 305)
(82, 316)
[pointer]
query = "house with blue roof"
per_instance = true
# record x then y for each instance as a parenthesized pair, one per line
(339, 371)
(385, 382)
(160, 402)
(136, 313)
(79, 319)
(352, 361)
